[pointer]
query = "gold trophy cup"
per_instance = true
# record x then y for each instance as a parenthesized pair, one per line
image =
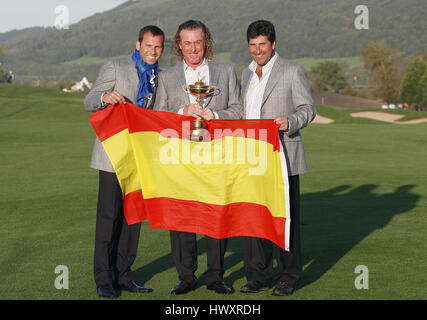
(198, 128)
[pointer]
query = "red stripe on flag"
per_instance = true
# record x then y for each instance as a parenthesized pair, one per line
(107, 122)
(216, 221)
(258, 129)
(113, 119)
(133, 205)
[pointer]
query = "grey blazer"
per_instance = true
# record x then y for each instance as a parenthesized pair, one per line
(287, 93)
(171, 97)
(115, 75)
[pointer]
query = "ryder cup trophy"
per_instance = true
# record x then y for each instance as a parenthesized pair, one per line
(198, 127)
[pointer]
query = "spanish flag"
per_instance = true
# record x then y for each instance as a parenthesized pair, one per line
(236, 184)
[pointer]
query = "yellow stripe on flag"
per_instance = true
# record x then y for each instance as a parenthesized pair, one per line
(120, 151)
(223, 171)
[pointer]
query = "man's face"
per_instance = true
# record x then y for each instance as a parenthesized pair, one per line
(261, 49)
(150, 48)
(192, 45)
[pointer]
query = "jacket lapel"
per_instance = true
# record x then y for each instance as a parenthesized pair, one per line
(213, 80)
(276, 73)
(180, 80)
(133, 73)
(246, 79)
(132, 79)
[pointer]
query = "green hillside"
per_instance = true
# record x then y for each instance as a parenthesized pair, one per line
(305, 29)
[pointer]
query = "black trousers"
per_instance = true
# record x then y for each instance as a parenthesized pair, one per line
(184, 253)
(116, 243)
(258, 253)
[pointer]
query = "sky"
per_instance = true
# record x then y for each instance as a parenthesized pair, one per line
(20, 14)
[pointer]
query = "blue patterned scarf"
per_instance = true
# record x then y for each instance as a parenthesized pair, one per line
(145, 71)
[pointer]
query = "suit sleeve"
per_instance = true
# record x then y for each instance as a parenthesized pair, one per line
(105, 82)
(302, 100)
(234, 109)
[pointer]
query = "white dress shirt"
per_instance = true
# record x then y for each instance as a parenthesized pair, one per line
(192, 76)
(256, 88)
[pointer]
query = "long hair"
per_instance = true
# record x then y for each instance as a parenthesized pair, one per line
(194, 25)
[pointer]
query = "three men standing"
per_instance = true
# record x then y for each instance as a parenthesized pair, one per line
(272, 88)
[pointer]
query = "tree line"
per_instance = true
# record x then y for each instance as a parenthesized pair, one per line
(387, 80)
(2, 72)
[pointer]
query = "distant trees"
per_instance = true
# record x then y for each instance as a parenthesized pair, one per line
(384, 63)
(414, 84)
(389, 85)
(2, 72)
(328, 76)
(386, 80)
(423, 85)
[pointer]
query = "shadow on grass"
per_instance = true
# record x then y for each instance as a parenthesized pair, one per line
(332, 223)
(336, 220)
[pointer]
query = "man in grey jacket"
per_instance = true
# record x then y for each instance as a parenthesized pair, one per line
(131, 79)
(276, 88)
(193, 45)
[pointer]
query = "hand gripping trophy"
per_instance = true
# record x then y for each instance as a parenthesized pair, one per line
(198, 127)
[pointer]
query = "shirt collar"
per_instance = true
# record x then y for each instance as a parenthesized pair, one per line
(186, 66)
(269, 65)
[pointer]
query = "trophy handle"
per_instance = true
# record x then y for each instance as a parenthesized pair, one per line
(185, 88)
(216, 91)
(213, 91)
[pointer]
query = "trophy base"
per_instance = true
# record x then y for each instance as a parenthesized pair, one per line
(200, 135)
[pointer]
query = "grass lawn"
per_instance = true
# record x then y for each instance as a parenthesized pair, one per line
(364, 202)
